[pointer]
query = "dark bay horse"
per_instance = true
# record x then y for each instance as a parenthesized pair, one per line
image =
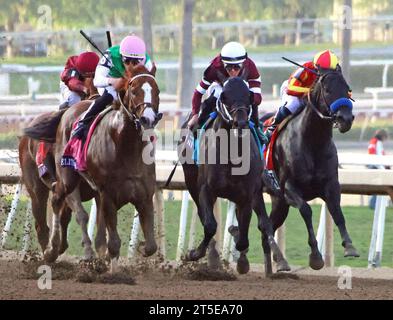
(119, 163)
(306, 163)
(233, 175)
(39, 187)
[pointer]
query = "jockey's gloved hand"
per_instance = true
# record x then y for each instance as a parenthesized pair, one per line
(192, 122)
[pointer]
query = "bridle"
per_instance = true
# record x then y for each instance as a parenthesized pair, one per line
(228, 116)
(131, 114)
(331, 108)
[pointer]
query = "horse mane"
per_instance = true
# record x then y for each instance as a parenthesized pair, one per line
(132, 71)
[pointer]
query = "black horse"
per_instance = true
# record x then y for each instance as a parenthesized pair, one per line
(305, 159)
(216, 176)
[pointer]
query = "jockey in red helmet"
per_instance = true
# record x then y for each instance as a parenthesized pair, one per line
(231, 62)
(299, 84)
(77, 69)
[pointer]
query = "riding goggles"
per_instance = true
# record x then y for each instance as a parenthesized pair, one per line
(236, 67)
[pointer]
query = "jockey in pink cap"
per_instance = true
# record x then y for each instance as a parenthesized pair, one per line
(109, 75)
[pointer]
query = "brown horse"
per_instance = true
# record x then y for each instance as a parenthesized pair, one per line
(119, 163)
(38, 187)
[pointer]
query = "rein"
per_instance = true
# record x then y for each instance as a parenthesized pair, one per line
(227, 115)
(332, 107)
(132, 116)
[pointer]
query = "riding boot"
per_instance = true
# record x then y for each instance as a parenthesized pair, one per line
(254, 118)
(96, 107)
(281, 114)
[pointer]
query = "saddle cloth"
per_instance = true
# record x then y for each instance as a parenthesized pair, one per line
(75, 152)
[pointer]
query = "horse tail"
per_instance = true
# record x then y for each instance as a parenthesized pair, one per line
(46, 128)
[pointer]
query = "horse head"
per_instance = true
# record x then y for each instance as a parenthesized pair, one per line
(234, 105)
(141, 99)
(330, 97)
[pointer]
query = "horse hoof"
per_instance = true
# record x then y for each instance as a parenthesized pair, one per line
(350, 251)
(63, 248)
(89, 255)
(234, 232)
(149, 250)
(194, 255)
(243, 266)
(50, 255)
(316, 261)
(283, 266)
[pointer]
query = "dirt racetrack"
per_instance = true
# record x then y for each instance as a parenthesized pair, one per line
(19, 281)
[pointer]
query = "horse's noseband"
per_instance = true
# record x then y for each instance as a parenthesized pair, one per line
(131, 114)
(332, 107)
(226, 115)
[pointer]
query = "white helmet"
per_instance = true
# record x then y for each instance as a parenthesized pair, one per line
(233, 53)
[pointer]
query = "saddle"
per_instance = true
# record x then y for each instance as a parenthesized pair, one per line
(75, 152)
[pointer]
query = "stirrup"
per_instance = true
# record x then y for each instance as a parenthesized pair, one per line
(270, 179)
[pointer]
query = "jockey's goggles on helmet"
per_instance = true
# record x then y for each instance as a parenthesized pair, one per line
(133, 61)
(236, 67)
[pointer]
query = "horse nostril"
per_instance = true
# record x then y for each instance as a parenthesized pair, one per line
(235, 123)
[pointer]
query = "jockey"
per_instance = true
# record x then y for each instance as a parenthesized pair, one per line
(109, 75)
(73, 89)
(231, 62)
(77, 69)
(299, 84)
(292, 92)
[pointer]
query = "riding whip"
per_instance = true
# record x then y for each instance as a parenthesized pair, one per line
(299, 65)
(108, 38)
(98, 49)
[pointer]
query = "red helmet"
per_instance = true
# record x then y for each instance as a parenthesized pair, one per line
(86, 63)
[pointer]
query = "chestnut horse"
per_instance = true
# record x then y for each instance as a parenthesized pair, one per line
(119, 163)
(39, 187)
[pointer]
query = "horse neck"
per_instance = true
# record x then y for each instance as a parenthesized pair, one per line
(314, 129)
(129, 142)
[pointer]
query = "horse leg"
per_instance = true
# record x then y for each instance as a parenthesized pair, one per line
(82, 218)
(67, 182)
(293, 197)
(206, 203)
(332, 198)
(65, 218)
(37, 190)
(39, 198)
(100, 240)
(146, 218)
(109, 211)
(243, 215)
(278, 214)
(268, 242)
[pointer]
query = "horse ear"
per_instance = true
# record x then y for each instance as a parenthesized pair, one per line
(153, 70)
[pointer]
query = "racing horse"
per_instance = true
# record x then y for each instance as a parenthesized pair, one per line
(119, 163)
(306, 162)
(38, 187)
(234, 177)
